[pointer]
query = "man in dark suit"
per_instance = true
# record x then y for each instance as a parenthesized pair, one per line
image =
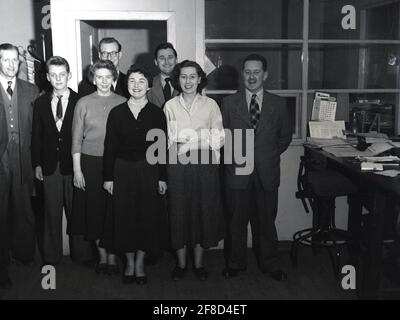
(254, 196)
(165, 58)
(109, 49)
(52, 161)
(16, 177)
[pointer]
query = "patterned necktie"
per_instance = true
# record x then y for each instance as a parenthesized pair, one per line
(167, 89)
(9, 90)
(59, 112)
(254, 111)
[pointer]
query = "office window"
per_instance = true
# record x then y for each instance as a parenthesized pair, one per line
(228, 61)
(374, 19)
(349, 66)
(253, 19)
(352, 64)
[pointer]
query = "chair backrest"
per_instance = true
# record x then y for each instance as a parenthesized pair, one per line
(303, 192)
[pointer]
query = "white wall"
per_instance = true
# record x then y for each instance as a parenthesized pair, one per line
(16, 22)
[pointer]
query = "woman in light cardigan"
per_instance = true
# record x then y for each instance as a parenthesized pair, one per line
(91, 215)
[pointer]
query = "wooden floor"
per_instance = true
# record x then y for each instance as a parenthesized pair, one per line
(313, 279)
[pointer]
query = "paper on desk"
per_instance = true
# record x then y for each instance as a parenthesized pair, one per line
(348, 151)
(379, 147)
(320, 143)
(326, 129)
(371, 166)
(380, 159)
(388, 173)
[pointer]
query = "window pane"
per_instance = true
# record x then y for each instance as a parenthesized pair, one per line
(353, 66)
(253, 19)
(374, 20)
(284, 65)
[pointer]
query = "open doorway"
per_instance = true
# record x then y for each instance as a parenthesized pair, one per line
(138, 40)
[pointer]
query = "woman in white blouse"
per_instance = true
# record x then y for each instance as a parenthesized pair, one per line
(195, 135)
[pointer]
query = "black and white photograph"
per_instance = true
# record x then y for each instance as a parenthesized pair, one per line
(200, 156)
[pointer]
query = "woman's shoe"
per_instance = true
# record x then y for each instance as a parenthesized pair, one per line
(141, 280)
(128, 279)
(100, 268)
(200, 273)
(178, 273)
(112, 269)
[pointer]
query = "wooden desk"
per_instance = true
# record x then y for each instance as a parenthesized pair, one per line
(383, 189)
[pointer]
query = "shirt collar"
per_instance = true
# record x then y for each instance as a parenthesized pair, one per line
(65, 95)
(259, 93)
(4, 82)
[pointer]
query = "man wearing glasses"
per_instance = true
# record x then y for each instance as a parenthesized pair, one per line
(109, 49)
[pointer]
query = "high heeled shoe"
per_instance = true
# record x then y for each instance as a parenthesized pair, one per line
(142, 280)
(128, 279)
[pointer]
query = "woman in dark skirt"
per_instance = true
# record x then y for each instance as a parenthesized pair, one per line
(140, 222)
(92, 204)
(195, 134)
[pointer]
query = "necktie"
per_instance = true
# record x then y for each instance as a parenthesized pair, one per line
(9, 90)
(59, 112)
(167, 89)
(254, 111)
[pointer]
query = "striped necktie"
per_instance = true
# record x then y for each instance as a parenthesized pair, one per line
(254, 111)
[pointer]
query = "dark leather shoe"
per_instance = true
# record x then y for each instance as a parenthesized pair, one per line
(178, 273)
(112, 269)
(200, 273)
(142, 280)
(278, 275)
(6, 283)
(231, 272)
(128, 279)
(101, 268)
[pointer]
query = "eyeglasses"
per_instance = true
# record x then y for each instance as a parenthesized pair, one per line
(106, 54)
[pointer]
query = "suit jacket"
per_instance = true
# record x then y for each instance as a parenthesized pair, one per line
(156, 94)
(86, 87)
(272, 137)
(50, 146)
(3, 139)
(27, 93)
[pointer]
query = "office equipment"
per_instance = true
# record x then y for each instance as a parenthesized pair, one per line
(320, 186)
(324, 107)
(326, 129)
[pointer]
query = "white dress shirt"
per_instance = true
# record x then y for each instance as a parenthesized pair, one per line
(4, 83)
(194, 127)
(64, 103)
(259, 98)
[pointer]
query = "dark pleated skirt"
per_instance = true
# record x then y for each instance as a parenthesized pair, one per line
(140, 218)
(92, 207)
(194, 205)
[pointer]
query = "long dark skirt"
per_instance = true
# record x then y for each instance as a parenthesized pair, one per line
(92, 206)
(140, 220)
(195, 205)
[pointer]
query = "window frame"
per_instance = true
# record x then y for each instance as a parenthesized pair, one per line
(302, 94)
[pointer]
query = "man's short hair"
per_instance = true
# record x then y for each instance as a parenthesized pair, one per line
(256, 57)
(8, 46)
(110, 40)
(165, 45)
(103, 64)
(57, 61)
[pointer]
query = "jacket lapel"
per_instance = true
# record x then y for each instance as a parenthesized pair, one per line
(266, 112)
(70, 110)
(241, 108)
(158, 89)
